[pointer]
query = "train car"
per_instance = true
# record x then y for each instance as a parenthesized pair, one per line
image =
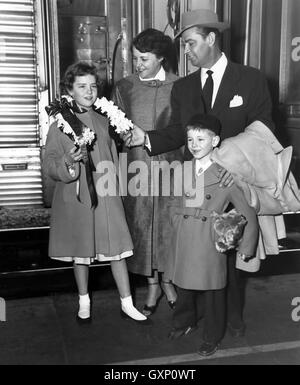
(40, 38)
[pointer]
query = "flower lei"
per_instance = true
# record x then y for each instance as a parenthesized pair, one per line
(86, 137)
(64, 113)
(116, 117)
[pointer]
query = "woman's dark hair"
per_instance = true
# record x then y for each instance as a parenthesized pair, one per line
(161, 45)
(78, 69)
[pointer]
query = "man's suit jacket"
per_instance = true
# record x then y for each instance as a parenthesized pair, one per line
(242, 98)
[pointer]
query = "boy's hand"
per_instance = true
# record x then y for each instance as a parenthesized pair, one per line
(226, 178)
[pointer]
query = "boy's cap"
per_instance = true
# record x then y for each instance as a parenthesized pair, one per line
(201, 18)
(209, 122)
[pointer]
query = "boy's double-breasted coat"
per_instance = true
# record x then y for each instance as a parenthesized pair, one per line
(194, 263)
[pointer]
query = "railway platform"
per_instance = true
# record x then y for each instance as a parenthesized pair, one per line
(42, 330)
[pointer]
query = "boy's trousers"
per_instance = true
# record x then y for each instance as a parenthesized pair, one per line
(192, 305)
(216, 307)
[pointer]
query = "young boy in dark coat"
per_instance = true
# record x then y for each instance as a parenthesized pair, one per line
(195, 266)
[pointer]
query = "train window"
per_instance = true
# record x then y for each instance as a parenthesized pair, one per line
(20, 170)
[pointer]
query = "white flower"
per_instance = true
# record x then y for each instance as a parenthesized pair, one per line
(116, 117)
(68, 98)
(97, 103)
(62, 123)
(87, 136)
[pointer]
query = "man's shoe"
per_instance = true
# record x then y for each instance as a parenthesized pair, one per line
(177, 333)
(237, 332)
(208, 348)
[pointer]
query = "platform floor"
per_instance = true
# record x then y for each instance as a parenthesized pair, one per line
(43, 330)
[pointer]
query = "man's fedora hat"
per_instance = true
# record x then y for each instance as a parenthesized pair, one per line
(202, 18)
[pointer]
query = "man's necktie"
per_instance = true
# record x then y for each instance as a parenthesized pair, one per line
(208, 91)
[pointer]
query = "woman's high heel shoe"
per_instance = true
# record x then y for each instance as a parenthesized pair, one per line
(171, 303)
(151, 309)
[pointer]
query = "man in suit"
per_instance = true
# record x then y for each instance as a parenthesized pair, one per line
(237, 95)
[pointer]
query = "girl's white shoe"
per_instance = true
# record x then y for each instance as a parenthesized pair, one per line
(129, 310)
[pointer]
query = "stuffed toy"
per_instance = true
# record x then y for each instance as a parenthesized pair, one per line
(229, 228)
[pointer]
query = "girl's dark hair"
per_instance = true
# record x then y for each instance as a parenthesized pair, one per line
(78, 69)
(161, 45)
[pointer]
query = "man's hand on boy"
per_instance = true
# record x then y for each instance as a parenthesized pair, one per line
(244, 257)
(226, 178)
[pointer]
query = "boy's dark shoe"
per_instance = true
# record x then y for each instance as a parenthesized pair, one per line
(177, 333)
(240, 332)
(208, 348)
